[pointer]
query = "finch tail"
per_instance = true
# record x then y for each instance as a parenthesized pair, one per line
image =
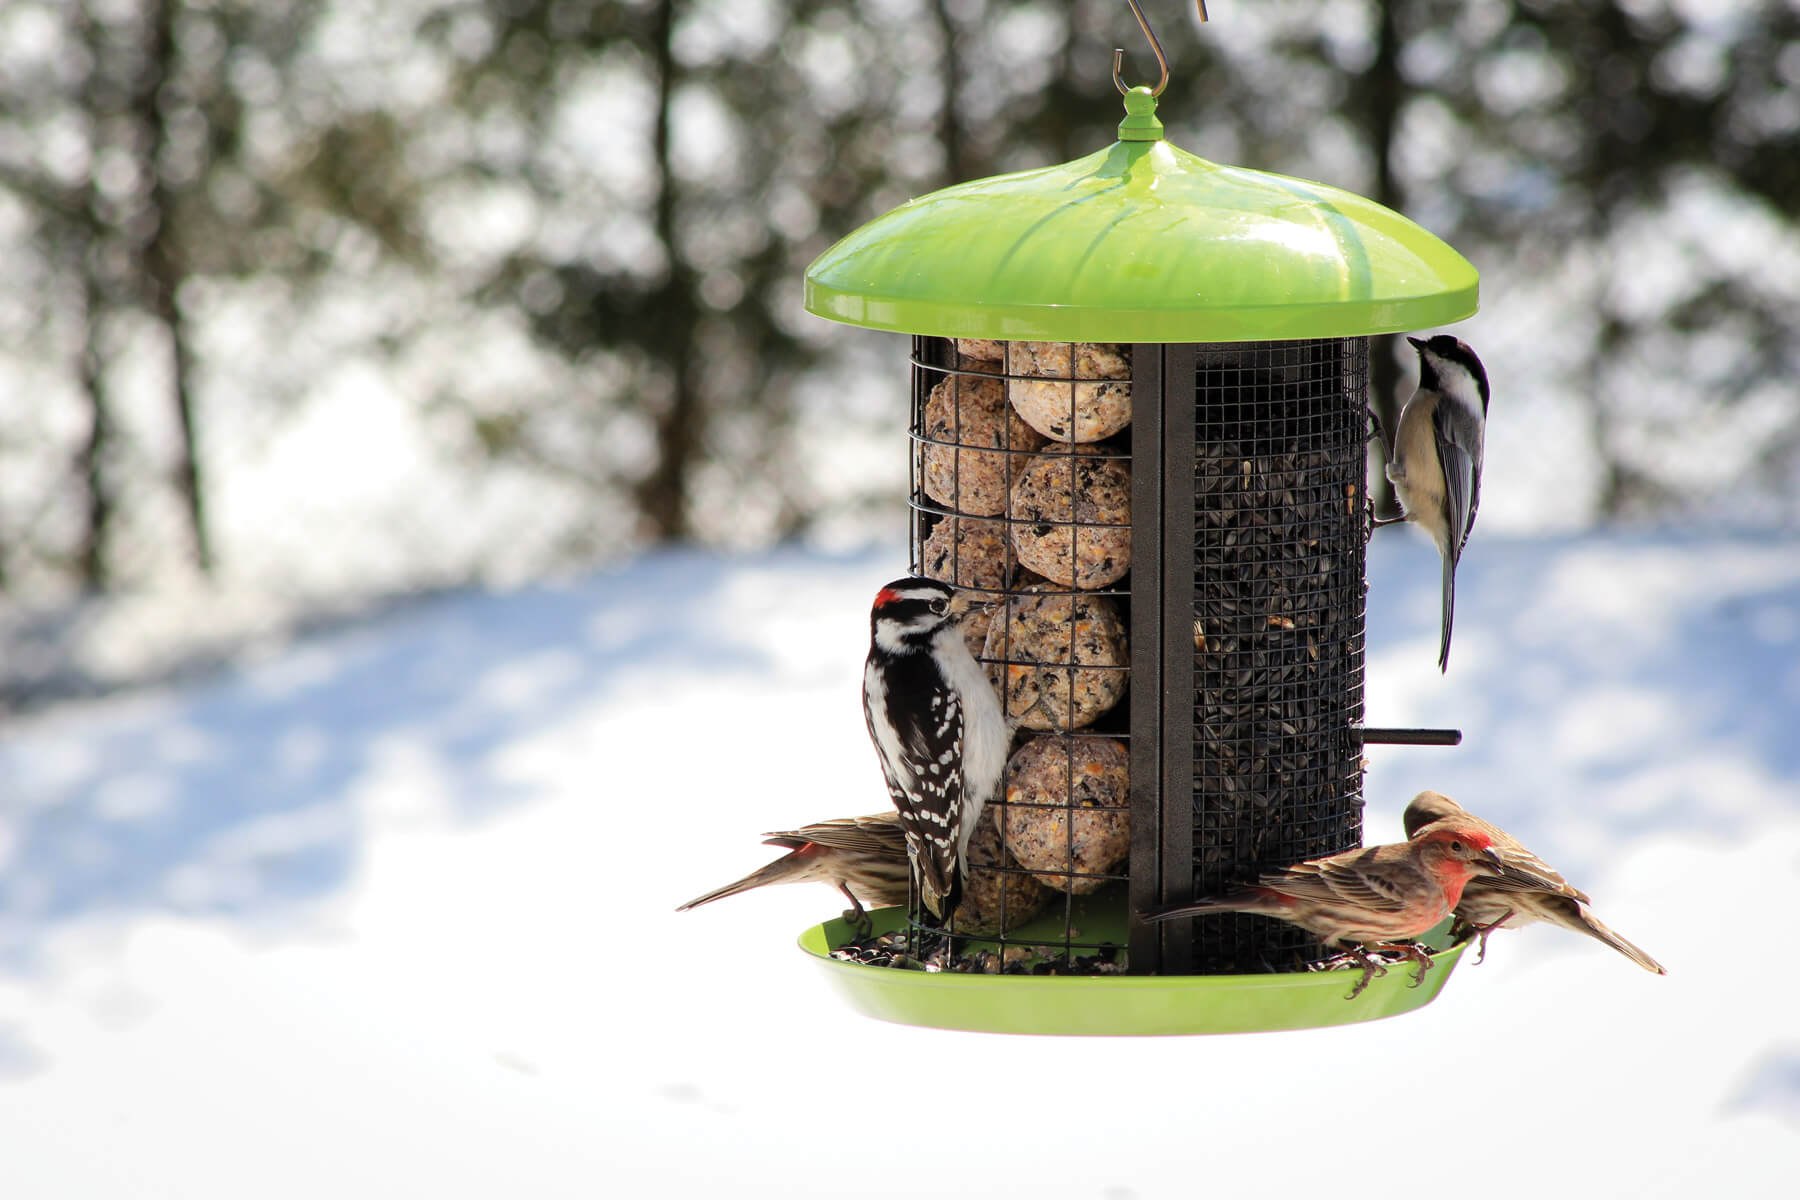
(1190, 908)
(1449, 557)
(782, 870)
(1595, 928)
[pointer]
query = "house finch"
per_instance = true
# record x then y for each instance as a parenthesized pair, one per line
(1376, 898)
(1486, 906)
(863, 857)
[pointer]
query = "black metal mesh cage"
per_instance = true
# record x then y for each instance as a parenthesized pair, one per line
(1179, 637)
(1279, 540)
(1035, 531)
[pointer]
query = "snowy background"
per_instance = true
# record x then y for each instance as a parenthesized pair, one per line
(388, 910)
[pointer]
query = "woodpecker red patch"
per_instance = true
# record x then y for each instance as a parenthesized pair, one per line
(886, 596)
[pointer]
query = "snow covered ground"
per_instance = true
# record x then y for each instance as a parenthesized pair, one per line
(389, 912)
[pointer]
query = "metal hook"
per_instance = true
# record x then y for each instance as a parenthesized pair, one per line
(1162, 60)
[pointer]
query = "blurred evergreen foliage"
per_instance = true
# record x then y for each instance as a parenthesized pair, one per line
(570, 235)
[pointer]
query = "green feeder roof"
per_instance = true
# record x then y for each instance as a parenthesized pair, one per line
(1142, 242)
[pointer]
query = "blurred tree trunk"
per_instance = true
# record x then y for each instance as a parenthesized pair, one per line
(122, 247)
(159, 262)
(90, 373)
(957, 167)
(1383, 96)
(86, 251)
(662, 495)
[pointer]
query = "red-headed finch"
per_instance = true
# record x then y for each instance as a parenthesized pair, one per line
(1486, 906)
(1376, 898)
(863, 857)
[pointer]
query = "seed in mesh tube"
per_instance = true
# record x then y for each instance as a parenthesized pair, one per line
(1057, 658)
(1071, 516)
(995, 883)
(963, 410)
(1278, 589)
(1067, 816)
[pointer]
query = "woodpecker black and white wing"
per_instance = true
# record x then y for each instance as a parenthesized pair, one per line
(917, 725)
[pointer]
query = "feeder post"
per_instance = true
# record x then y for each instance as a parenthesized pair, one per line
(1162, 649)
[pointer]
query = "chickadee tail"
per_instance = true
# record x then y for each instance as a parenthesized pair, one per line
(779, 871)
(1596, 928)
(1449, 557)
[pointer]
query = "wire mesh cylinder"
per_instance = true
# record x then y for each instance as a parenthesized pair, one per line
(1179, 634)
(1278, 583)
(1021, 488)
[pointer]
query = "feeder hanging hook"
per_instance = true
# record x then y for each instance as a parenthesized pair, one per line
(1162, 60)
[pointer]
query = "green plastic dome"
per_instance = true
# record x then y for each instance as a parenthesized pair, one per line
(1142, 242)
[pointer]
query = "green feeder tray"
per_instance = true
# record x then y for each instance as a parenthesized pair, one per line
(1141, 242)
(1129, 1005)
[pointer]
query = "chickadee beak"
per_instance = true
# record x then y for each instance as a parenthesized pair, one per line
(1417, 343)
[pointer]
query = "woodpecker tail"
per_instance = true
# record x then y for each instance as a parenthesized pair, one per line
(940, 886)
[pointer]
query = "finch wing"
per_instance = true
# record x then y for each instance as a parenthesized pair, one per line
(1512, 852)
(879, 835)
(1547, 883)
(1333, 881)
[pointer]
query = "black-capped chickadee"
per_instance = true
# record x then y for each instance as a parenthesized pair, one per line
(1435, 464)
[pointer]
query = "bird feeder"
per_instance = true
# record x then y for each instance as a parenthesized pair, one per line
(1139, 416)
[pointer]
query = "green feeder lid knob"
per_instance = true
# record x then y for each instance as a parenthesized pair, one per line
(1140, 123)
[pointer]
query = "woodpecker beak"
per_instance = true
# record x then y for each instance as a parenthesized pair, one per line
(1417, 344)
